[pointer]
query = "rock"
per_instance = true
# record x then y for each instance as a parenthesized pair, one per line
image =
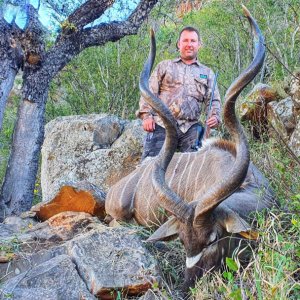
(256, 99)
(114, 223)
(294, 92)
(32, 294)
(82, 197)
(63, 227)
(20, 223)
(73, 255)
(42, 236)
(254, 109)
(107, 131)
(280, 115)
(150, 295)
(78, 148)
(7, 230)
(114, 260)
(158, 295)
(262, 92)
(294, 142)
(56, 278)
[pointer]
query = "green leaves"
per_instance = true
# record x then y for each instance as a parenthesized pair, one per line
(231, 264)
(232, 268)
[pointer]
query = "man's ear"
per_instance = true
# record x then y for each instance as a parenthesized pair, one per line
(167, 231)
(233, 223)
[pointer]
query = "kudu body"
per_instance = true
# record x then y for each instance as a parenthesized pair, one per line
(210, 194)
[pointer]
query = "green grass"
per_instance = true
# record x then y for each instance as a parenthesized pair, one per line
(272, 273)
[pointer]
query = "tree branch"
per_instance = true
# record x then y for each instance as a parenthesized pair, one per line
(32, 39)
(107, 32)
(9, 35)
(33, 24)
(141, 12)
(98, 35)
(68, 46)
(88, 12)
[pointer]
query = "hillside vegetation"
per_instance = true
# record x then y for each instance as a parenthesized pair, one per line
(106, 80)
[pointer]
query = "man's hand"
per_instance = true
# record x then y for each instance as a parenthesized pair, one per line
(148, 124)
(212, 122)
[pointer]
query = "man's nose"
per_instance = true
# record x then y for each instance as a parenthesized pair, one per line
(189, 44)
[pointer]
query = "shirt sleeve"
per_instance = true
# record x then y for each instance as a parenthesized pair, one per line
(216, 101)
(154, 85)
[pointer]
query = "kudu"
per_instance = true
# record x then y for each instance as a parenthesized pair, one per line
(211, 194)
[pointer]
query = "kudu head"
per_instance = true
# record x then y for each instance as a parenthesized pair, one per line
(203, 223)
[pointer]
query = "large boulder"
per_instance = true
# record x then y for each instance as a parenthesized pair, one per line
(254, 107)
(281, 117)
(284, 116)
(74, 256)
(100, 149)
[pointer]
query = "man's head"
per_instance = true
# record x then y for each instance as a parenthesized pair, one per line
(188, 44)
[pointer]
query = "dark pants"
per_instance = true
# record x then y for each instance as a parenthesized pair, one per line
(155, 140)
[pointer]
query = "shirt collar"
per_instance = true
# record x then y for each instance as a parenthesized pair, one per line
(178, 59)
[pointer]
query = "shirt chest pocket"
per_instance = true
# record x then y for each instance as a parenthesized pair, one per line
(201, 87)
(170, 81)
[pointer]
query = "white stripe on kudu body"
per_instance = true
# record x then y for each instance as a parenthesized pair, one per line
(175, 169)
(183, 173)
(187, 183)
(199, 172)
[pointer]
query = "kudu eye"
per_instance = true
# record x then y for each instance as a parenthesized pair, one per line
(212, 239)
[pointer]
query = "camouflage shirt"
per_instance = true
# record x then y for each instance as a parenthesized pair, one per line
(185, 89)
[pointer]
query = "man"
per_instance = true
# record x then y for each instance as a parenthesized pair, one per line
(185, 86)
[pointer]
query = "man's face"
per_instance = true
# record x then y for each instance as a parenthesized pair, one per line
(188, 45)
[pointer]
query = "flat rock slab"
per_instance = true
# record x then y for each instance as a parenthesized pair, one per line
(56, 278)
(74, 256)
(114, 260)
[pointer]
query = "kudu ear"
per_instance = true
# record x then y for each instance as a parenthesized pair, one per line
(233, 223)
(166, 231)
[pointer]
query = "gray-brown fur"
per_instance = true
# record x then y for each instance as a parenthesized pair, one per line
(211, 194)
(189, 175)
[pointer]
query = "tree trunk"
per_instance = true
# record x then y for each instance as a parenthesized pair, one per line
(11, 58)
(39, 69)
(7, 78)
(18, 186)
